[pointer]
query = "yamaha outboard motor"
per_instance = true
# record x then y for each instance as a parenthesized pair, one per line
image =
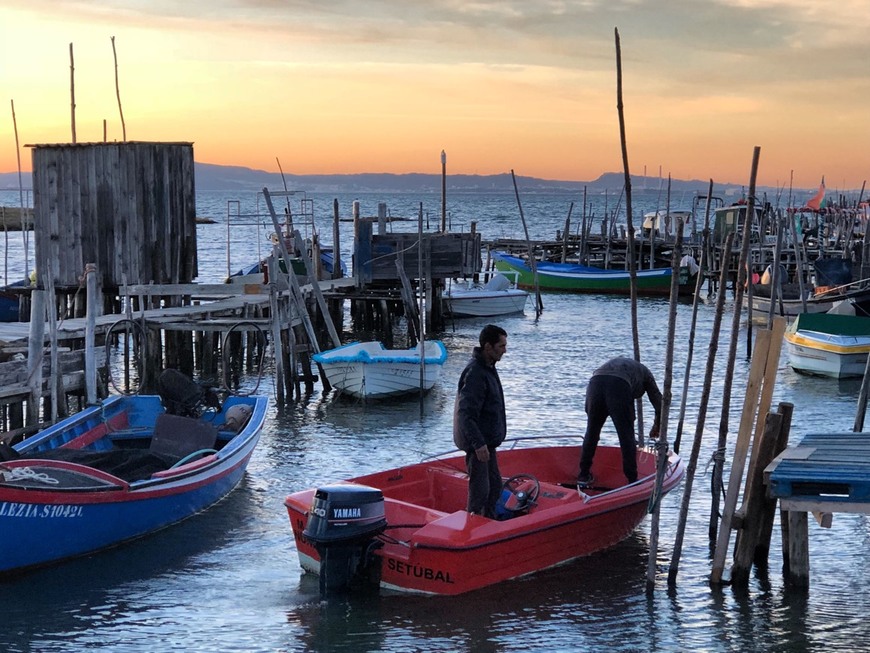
(343, 523)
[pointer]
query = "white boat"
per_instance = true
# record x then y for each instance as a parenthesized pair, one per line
(367, 370)
(498, 296)
(828, 344)
(664, 222)
(789, 306)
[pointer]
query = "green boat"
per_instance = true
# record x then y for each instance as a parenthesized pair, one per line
(572, 277)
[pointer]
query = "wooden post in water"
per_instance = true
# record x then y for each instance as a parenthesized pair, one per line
(382, 218)
(566, 233)
(90, 329)
(35, 348)
(275, 326)
(539, 303)
(749, 518)
(336, 247)
(55, 378)
(443, 192)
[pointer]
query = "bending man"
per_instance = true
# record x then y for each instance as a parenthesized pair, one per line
(611, 392)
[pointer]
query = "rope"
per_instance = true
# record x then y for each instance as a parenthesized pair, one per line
(225, 357)
(27, 474)
(136, 330)
(82, 283)
(661, 465)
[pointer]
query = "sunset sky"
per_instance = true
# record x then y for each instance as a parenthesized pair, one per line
(345, 86)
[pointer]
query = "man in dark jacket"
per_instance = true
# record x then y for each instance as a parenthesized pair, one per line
(479, 423)
(611, 392)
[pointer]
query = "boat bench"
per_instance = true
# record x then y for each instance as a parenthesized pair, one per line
(448, 489)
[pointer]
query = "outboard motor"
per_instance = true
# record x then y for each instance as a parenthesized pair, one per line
(343, 523)
(183, 396)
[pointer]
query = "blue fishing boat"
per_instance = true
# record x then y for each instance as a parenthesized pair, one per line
(368, 370)
(118, 471)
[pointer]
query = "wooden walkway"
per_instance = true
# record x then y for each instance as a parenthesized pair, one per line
(824, 474)
(216, 307)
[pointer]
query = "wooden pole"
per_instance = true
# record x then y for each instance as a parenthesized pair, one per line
(35, 348)
(443, 191)
(776, 275)
(719, 456)
(118, 93)
(662, 442)
(566, 232)
(90, 331)
(336, 249)
(72, 92)
(696, 299)
(702, 413)
(539, 302)
(422, 311)
(632, 267)
(275, 324)
(295, 291)
(862, 399)
(25, 230)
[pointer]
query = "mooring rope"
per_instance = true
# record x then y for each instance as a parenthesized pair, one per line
(11, 474)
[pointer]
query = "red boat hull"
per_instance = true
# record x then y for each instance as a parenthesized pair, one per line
(433, 546)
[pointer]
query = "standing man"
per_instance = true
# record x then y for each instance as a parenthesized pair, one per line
(479, 423)
(611, 392)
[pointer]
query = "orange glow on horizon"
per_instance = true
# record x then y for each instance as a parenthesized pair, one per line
(329, 94)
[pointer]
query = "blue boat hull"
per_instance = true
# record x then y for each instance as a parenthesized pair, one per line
(49, 519)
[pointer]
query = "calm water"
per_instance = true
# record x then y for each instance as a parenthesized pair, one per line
(229, 579)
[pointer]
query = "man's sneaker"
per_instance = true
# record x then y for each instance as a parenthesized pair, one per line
(585, 481)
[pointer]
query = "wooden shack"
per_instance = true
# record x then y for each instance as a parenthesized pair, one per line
(130, 208)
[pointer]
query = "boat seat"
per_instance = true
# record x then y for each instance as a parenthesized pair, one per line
(176, 436)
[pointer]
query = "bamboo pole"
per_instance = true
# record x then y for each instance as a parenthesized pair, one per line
(118, 93)
(719, 455)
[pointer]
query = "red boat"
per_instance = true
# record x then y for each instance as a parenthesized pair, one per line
(406, 529)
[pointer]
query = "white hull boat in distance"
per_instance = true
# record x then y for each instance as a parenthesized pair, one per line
(827, 344)
(497, 297)
(367, 370)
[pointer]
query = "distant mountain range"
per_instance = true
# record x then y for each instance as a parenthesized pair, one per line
(211, 177)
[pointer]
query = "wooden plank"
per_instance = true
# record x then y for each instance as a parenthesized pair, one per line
(750, 403)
